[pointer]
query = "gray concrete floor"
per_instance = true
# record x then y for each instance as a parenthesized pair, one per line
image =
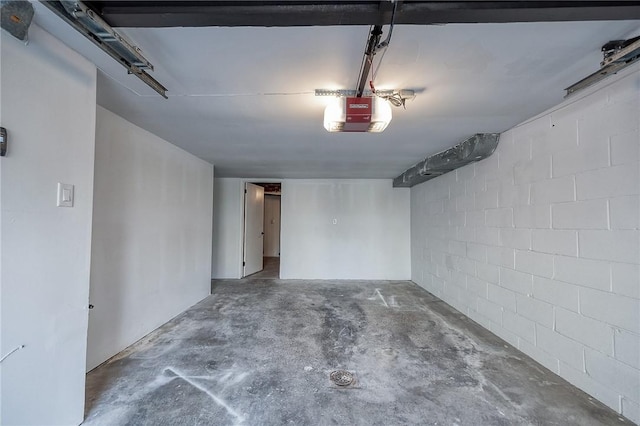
(270, 269)
(260, 352)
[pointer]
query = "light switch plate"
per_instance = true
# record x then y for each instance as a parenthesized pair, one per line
(65, 195)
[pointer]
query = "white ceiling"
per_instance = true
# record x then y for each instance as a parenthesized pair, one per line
(242, 97)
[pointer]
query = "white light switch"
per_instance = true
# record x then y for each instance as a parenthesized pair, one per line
(65, 195)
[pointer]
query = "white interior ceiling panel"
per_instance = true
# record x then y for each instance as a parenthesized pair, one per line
(243, 97)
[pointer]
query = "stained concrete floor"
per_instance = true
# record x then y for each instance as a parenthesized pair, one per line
(260, 352)
(270, 269)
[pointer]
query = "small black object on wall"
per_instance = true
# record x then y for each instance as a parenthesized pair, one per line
(3, 141)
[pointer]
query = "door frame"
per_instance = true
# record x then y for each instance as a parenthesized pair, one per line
(241, 212)
(248, 260)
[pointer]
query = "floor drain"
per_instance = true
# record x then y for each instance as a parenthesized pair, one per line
(341, 377)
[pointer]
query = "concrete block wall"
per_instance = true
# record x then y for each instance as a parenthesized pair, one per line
(539, 243)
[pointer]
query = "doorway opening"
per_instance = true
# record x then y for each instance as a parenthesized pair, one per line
(262, 225)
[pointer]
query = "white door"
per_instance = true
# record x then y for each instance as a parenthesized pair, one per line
(253, 228)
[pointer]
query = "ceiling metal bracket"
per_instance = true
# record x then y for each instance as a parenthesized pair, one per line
(618, 54)
(477, 147)
(88, 23)
(402, 93)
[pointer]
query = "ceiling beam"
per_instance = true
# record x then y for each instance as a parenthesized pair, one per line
(291, 13)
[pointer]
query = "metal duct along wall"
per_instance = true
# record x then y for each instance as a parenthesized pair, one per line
(477, 147)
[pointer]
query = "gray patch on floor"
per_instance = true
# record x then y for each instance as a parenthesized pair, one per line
(260, 352)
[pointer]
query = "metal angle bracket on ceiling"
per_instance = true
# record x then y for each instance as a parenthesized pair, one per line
(618, 54)
(477, 147)
(88, 23)
(402, 93)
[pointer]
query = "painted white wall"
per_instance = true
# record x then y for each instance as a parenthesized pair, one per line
(48, 104)
(539, 243)
(369, 239)
(228, 211)
(152, 220)
(271, 225)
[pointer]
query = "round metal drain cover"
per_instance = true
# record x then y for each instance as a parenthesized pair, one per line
(341, 377)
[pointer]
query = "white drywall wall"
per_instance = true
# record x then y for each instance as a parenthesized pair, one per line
(228, 212)
(151, 249)
(370, 239)
(48, 103)
(271, 225)
(344, 229)
(539, 243)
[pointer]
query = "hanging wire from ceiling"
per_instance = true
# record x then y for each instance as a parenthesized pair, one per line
(375, 71)
(395, 98)
(385, 44)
